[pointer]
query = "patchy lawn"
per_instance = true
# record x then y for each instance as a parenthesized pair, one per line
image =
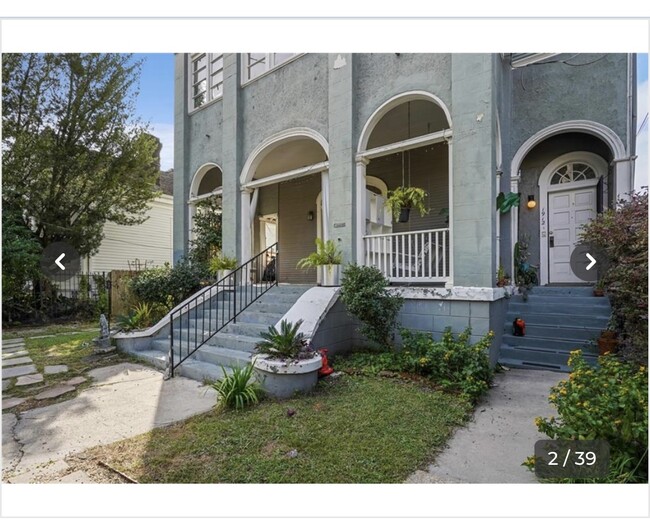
(350, 430)
(52, 329)
(74, 351)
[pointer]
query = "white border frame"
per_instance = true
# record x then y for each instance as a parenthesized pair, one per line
(597, 163)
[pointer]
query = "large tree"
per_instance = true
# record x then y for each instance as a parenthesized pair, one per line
(74, 157)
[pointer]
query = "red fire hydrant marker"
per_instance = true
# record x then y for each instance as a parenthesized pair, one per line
(325, 368)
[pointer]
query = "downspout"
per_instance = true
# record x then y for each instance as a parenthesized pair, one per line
(498, 221)
(631, 117)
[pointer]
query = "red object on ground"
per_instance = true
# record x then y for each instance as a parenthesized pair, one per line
(519, 327)
(325, 368)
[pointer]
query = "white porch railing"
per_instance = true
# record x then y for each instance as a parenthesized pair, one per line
(418, 256)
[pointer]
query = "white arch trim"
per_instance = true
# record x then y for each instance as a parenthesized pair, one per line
(198, 176)
(393, 102)
(377, 183)
(275, 140)
(590, 127)
(588, 158)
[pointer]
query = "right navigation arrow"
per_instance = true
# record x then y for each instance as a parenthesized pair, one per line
(592, 260)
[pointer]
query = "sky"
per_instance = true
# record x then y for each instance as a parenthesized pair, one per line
(155, 105)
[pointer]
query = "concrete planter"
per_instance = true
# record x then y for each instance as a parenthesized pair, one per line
(329, 275)
(222, 273)
(282, 379)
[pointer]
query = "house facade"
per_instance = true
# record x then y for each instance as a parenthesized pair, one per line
(302, 146)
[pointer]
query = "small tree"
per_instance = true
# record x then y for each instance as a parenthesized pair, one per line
(621, 234)
(363, 290)
(207, 231)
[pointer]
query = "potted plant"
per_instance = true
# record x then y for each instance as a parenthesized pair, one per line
(599, 288)
(503, 278)
(403, 199)
(285, 363)
(327, 260)
(607, 342)
(221, 266)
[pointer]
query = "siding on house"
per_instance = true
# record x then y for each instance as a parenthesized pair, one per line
(149, 242)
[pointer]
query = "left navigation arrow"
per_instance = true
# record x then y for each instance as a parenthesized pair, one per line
(58, 261)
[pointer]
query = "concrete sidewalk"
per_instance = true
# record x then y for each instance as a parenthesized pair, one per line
(502, 434)
(125, 400)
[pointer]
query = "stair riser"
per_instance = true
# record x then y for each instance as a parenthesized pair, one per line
(556, 332)
(516, 365)
(562, 291)
(266, 319)
(564, 309)
(565, 299)
(559, 345)
(196, 372)
(223, 358)
(242, 328)
(231, 342)
(538, 357)
(547, 319)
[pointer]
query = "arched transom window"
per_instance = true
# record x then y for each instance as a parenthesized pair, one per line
(572, 172)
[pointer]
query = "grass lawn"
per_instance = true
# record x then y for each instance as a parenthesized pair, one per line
(52, 329)
(352, 429)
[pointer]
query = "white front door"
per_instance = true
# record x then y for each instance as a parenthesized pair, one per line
(568, 211)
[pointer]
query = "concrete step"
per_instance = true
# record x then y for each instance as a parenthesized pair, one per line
(550, 343)
(560, 319)
(264, 319)
(523, 308)
(155, 357)
(543, 358)
(202, 371)
(250, 329)
(222, 356)
(234, 342)
(587, 290)
(560, 299)
(556, 331)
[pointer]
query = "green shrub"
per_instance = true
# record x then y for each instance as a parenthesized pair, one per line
(168, 285)
(288, 343)
(236, 389)
(222, 263)
(607, 402)
(621, 235)
(143, 315)
(363, 290)
(452, 362)
(207, 231)
(327, 253)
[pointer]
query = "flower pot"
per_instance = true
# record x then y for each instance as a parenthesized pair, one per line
(599, 292)
(607, 342)
(404, 214)
(281, 378)
(329, 275)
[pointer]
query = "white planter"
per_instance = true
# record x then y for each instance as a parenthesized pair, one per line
(222, 273)
(329, 275)
(282, 379)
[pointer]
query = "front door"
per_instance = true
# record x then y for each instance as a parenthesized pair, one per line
(569, 210)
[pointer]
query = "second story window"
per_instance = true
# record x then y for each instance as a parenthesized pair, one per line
(206, 78)
(256, 64)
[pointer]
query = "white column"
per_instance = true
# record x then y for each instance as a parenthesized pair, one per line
(360, 209)
(450, 208)
(514, 223)
(623, 177)
(325, 204)
(246, 224)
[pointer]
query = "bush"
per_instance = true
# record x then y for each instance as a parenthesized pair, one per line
(168, 285)
(143, 315)
(621, 235)
(207, 231)
(363, 290)
(452, 362)
(607, 402)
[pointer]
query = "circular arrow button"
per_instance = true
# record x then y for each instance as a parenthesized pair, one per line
(60, 260)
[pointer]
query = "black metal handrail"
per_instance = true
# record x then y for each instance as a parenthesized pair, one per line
(246, 284)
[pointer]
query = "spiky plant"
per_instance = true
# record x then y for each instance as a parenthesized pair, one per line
(327, 253)
(284, 344)
(236, 389)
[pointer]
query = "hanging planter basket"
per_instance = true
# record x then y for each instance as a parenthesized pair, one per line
(404, 214)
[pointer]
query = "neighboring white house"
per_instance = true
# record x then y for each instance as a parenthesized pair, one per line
(150, 242)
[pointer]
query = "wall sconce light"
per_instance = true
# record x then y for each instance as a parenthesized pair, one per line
(310, 215)
(531, 202)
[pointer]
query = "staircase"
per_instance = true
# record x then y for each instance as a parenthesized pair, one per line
(558, 321)
(234, 344)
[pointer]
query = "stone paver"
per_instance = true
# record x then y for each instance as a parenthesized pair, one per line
(75, 381)
(15, 354)
(57, 391)
(17, 371)
(16, 362)
(13, 341)
(126, 400)
(50, 370)
(26, 380)
(492, 447)
(10, 403)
